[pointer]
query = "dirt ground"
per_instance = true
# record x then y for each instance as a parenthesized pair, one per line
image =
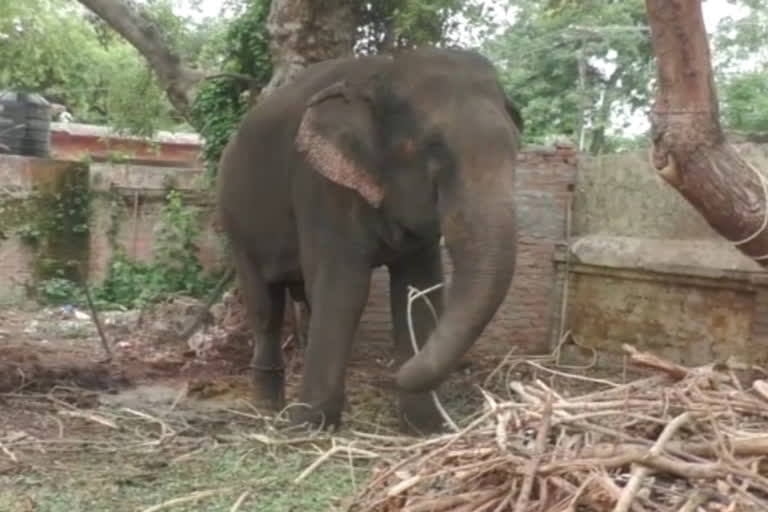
(164, 420)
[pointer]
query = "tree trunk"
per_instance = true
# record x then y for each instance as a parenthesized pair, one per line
(303, 32)
(690, 150)
(133, 24)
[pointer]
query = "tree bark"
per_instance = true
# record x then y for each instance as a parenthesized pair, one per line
(303, 32)
(132, 23)
(690, 150)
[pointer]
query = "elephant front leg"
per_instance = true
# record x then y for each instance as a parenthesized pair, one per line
(338, 296)
(418, 413)
(264, 305)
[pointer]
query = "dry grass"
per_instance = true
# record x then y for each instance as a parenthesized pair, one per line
(549, 439)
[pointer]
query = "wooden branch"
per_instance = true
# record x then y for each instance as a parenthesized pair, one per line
(690, 150)
(639, 471)
(647, 360)
(533, 466)
(132, 23)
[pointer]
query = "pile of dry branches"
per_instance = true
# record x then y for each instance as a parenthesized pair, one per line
(685, 440)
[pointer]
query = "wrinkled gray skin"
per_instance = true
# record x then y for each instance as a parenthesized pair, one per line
(364, 162)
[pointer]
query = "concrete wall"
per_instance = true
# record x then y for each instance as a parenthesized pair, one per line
(644, 268)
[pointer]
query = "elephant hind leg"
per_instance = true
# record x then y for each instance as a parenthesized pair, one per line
(265, 305)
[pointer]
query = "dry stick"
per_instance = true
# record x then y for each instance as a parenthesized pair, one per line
(630, 387)
(330, 453)
(91, 417)
(541, 441)
(647, 360)
(97, 321)
(195, 496)
(639, 471)
(694, 501)
(237, 504)
(8, 452)
(704, 470)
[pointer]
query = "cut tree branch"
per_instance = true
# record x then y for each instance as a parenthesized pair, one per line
(690, 150)
(131, 22)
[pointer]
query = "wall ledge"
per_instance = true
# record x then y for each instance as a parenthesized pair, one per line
(713, 259)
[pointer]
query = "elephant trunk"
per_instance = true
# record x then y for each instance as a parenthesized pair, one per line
(478, 221)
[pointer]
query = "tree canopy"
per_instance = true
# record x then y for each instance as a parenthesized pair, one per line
(578, 69)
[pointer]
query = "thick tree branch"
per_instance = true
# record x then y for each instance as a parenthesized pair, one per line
(131, 22)
(690, 150)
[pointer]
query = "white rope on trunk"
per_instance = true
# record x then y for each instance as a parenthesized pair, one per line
(413, 294)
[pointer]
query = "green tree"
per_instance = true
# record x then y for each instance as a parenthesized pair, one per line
(741, 60)
(57, 48)
(572, 65)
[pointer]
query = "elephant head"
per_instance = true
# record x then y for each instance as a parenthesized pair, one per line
(430, 140)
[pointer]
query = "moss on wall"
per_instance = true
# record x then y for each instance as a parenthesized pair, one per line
(53, 221)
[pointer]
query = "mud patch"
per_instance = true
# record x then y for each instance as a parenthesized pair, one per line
(30, 368)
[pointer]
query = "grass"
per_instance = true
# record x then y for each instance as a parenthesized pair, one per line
(119, 484)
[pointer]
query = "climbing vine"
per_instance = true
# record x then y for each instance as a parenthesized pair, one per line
(53, 221)
(174, 268)
(221, 102)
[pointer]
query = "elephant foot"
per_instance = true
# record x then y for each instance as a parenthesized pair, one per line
(419, 415)
(323, 418)
(268, 390)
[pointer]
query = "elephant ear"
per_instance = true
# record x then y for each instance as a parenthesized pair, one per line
(337, 136)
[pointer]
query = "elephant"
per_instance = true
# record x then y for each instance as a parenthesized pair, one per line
(363, 162)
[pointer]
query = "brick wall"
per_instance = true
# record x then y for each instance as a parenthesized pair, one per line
(544, 177)
(133, 194)
(128, 199)
(74, 141)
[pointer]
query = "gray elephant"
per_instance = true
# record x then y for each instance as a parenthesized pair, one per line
(366, 162)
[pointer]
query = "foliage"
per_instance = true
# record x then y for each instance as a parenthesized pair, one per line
(174, 268)
(740, 59)
(571, 65)
(54, 47)
(220, 103)
(54, 223)
(392, 24)
(744, 100)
